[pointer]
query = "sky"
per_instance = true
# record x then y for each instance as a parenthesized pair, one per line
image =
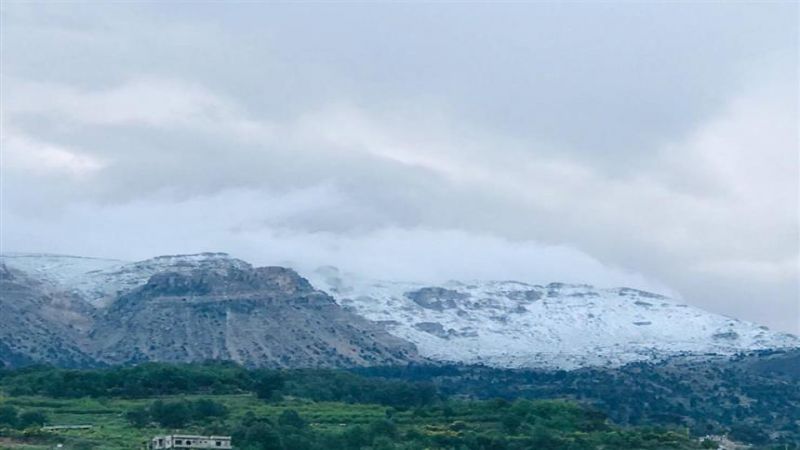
(652, 145)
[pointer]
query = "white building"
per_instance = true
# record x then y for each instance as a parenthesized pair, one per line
(186, 442)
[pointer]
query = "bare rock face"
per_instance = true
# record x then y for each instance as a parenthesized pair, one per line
(181, 308)
(267, 316)
(436, 298)
(39, 326)
(74, 311)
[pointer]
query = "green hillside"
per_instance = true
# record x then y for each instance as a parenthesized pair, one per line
(293, 410)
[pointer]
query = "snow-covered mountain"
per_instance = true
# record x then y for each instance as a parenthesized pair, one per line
(515, 324)
(73, 311)
(99, 281)
(498, 323)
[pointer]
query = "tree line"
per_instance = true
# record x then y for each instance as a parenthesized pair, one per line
(157, 379)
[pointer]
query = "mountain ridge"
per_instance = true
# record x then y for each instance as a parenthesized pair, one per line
(515, 324)
(185, 308)
(497, 323)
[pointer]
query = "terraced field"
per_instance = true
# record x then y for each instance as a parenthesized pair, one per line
(292, 410)
(112, 431)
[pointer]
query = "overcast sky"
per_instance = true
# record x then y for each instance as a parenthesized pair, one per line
(652, 145)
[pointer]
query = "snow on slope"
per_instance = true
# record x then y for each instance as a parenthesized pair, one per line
(63, 272)
(99, 280)
(514, 324)
(502, 323)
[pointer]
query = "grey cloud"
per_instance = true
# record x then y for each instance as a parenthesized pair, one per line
(659, 139)
(253, 225)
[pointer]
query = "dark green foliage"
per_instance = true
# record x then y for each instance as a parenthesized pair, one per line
(427, 407)
(328, 385)
(749, 433)
(176, 414)
(8, 416)
(267, 385)
(146, 380)
(383, 428)
(31, 419)
(138, 417)
(290, 418)
(204, 408)
(171, 414)
(708, 443)
(755, 397)
(355, 437)
(538, 425)
(257, 434)
(155, 379)
(511, 423)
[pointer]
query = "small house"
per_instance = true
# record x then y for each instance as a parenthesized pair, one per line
(187, 442)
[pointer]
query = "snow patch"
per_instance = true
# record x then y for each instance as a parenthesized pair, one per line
(559, 325)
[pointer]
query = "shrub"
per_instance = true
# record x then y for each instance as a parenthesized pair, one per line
(171, 414)
(205, 408)
(8, 416)
(31, 418)
(268, 385)
(139, 417)
(290, 418)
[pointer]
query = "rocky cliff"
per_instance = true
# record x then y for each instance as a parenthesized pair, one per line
(37, 325)
(180, 309)
(267, 316)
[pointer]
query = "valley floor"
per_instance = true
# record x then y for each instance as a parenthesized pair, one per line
(327, 425)
(413, 408)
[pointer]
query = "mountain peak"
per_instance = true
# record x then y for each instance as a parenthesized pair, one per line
(561, 325)
(497, 323)
(192, 260)
(230, 280)
(181, 308)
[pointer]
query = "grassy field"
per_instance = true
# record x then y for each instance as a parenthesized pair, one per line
(111, 430)
(293, 410)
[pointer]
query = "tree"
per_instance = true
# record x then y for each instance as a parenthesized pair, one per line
(268, 384)
(546, 439)
(31, 418)
(511, 423)
(355, 437)
(749, 433)
(170, 414)
(204, 408)
(258, 436)
(290, 418)
(8, 416)
(383, 427)
(138, 417)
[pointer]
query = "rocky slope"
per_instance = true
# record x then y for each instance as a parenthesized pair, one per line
(266, 316)
(194, 307)
(514, 324)
(39, 325)
(181, 308)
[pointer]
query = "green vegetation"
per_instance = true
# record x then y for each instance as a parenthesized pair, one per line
(10, 417)
(297, 424)
(297, 410)
(754, 398)
(153, 379)
(664, 406)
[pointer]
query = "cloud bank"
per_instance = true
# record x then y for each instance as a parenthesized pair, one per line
(310, 144)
